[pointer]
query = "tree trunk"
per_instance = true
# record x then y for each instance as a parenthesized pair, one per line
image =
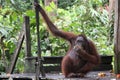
(117, 37)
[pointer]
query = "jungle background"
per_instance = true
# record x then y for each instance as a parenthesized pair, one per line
(90, 17)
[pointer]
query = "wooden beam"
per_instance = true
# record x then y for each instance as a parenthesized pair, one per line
(117, 37)
(16, 52)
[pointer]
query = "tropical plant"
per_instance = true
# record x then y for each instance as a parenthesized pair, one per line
(82, 16)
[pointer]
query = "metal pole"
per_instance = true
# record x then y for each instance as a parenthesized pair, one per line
(39, 64)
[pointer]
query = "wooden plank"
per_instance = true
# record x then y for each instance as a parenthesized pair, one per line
(58, 59)
(50, 69)
(52, 60)
(57, 68)
(17, 51)
(117, 37)
(48, 59)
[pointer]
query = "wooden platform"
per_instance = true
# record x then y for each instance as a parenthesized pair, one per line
(52, 68)
(93, 75)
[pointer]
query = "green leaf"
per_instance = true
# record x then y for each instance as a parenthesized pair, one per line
(30, 13)
(3, 31)
(52, 4)
(48, 8)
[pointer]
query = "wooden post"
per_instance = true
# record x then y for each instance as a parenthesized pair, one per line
(27, 36)
(117, 37)
(29, 63)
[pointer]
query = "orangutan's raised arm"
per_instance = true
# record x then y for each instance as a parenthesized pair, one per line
(54, 30)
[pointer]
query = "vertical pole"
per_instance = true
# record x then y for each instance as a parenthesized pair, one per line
(38, 41)
(29, 67)
(27, 36)
(39, 65)
(117, 37)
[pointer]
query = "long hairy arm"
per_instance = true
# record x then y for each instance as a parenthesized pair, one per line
(54, 30)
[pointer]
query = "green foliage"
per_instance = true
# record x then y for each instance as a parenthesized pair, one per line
(84, 18)
(65, 3)
(79, 16)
